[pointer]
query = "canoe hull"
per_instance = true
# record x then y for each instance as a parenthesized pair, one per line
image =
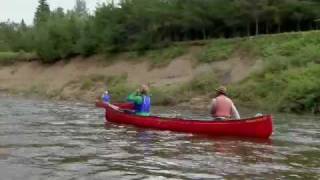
(256, 127)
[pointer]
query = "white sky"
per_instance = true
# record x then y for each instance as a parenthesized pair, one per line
(15, 10)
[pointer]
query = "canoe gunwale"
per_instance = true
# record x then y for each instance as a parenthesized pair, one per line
(255, 127)
(247, 120)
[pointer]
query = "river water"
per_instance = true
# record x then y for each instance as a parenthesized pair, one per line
(59, 140)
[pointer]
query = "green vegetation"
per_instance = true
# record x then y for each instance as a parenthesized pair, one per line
(217, 50)
(289, 81)
(271, 48)
(154, 28)
(36, 90)
(119, 88)
(87, 84)
(163, 57)
(141, 25)
(202, 84)
(117, 85)
(164, 96)
(158, 57)
(8, 58)
(294, 90)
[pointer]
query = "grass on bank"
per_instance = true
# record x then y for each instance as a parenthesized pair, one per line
(289, 81)
(119, 88)
(202, 84)
(116, 85)
(159, 57)
(217, 50)
(163, 57)
(8, 58)
(265, 46)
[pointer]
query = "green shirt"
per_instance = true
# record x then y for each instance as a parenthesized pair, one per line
(136, 98)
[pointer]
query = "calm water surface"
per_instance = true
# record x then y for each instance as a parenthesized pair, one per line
(46, 140)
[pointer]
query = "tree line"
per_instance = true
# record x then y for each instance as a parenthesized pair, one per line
(139, 25)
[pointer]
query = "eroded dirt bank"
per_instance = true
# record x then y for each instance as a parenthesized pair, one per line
(83, 78)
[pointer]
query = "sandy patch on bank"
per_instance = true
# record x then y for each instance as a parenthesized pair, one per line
(236, 69)
(30, 75)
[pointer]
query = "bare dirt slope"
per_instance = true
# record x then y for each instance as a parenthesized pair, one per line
(31, 76)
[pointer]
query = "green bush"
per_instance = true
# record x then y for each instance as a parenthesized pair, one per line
(303, 90)
(218, 50)
(295, 89)
(8, 58)
(201, 84)
(163, 96)
(59, 37)
(163, 57)
(117, 79)
(119, 92)
(87, 84)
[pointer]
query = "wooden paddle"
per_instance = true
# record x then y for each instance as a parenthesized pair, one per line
(129, 111)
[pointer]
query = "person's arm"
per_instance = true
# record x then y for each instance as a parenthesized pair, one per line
(235, 112)
(135, 97)
(212, 106)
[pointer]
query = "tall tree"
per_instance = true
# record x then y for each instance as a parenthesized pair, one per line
(42, 14)
(23, 25)
(80, 8)
(255, 9)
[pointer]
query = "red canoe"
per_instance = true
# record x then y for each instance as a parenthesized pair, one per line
(255, 127)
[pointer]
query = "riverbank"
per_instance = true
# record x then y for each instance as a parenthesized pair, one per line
(276, 72)
(86, 78)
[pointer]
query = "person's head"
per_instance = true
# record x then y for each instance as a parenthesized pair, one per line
(221, 90)
(106, 92)
(144, 89)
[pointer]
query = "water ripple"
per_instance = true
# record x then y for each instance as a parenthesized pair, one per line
(65, 140)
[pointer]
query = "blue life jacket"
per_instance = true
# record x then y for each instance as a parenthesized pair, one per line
(145, 106)
(106, 98)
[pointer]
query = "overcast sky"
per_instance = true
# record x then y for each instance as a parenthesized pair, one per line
(15, 10)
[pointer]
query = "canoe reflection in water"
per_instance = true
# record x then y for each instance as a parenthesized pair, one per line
(178, 145)
(250, 149)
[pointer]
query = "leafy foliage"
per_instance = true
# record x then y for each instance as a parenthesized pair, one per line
(140, 25)
(289, 81)
(217, 50)
(42, 14)
(8, 58)
(162, 57)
